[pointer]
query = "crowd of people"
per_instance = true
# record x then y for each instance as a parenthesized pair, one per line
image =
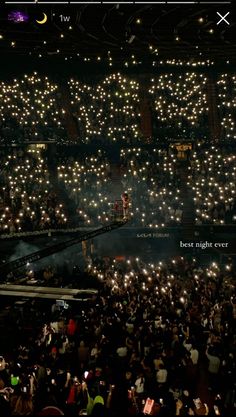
(83, 190)
(107, 111)
(156, 185)
(180, 104)
(28, 200)
(212, 178)
(30, 110)
(153, 182)
(154, 337)
(88, 183)
(111, 109)
(226, 86)
(159, 336)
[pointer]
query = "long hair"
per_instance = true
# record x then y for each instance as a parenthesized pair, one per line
(23, 406)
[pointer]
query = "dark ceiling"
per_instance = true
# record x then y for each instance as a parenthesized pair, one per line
(148, 32)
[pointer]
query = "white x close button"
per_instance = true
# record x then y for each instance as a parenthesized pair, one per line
(223, 18)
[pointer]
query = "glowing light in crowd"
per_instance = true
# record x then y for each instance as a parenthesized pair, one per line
(109, 108)
(227, 104)
(180, 97)
(212, 177)
(29, 201)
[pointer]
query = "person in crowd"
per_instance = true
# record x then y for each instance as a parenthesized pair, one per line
(214, 366)
(161, 356)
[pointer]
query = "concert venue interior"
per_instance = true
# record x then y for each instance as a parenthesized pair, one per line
(117, 210)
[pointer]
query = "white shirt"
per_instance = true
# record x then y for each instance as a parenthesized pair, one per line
(54, 326)
(194, 356)
(157, 362)
(130, 327)
(139, 385)
(122, 351)
(187, 346)
(161, 376)
(214, 363)
(94, 352)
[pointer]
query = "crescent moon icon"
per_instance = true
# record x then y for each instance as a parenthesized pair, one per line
(44, 20)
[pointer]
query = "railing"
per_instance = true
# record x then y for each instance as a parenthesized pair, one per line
(229, 228)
